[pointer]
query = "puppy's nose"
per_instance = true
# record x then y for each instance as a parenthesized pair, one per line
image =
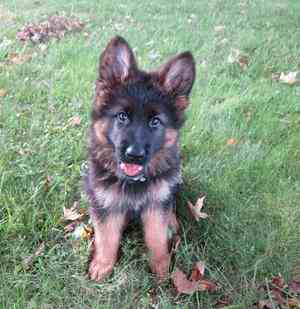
(135, 154)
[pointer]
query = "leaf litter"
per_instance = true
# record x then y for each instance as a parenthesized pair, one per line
(196, 210)
(196, 283)
(236, 56)
(76, 228)
(276, 292)
(289, 78)
(55, 26)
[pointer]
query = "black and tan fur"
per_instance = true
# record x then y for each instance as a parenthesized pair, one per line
(144, 111)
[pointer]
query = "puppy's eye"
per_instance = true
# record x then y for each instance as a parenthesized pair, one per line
(122, 117)
(154, 122)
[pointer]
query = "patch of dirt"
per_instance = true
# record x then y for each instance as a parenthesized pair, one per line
(55, 26)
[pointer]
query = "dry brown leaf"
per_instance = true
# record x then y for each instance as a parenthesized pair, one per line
(196, 209)
(15, 58)
(182, 284)
(231, 141)
(275, 76)
(70, 227)
(75, 121)
(206, 285)
(198, 271)
(236, 56)
(87, 233)
(293, 303)
(289, 78)
(264, 304)
(294, 285)
(185, 286)
(72, 214)
(82, 231)
(55, 26)
(223, 302)
(28, 261)
(3, 92)
(278, 282)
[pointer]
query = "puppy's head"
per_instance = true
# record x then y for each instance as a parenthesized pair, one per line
(137, 114)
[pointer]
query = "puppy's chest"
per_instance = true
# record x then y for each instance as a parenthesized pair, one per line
(116, 198)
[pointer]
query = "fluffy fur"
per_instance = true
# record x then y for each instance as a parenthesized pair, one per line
(134, 155)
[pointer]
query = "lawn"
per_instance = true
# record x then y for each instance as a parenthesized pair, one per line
(240, 147)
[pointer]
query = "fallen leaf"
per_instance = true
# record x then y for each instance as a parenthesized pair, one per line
(87, 233)
(15, 58)
(82, 232)
(196, 209)
(220, 28)
(70, 227)
(54, 26)
(264, 304)
(185, 286)
(198, 271)
(294, 285)
(293, 303)
(236, 56)
(28, 261)
(23, 152)
(275, 76)
(231, 141)
(182, 284)
(223, 302)
(75, 121)
(289, 78)
(278, 282)
(278, 297)
(3, 92)
(206, 285)
(72, 214)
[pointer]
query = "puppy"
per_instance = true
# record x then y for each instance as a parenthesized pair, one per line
(133, 153)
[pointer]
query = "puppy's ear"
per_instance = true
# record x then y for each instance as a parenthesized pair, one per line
(177, 76)
(117, 62)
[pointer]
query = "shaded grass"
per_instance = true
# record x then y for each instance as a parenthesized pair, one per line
(252, 188)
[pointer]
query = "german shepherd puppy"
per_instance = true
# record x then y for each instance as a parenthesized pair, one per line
(134, 158)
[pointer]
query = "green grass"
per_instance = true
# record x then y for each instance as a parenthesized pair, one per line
(252, 188)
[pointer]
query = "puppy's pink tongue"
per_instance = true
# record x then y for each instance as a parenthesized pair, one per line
(131, 169)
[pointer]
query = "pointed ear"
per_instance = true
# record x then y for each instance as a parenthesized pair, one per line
(177, 76)
(117, 62)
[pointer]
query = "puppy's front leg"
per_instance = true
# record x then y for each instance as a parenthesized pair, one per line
(156, 227)
(108, 232)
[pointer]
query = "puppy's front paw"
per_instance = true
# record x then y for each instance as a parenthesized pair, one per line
(160, 266)
(99, 270)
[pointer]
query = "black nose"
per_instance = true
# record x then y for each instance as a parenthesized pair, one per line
(135, 154)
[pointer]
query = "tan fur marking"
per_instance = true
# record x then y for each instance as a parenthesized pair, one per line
(100, 128)
(156, 226)
(181, 103)
(171, 137)
(106, 245)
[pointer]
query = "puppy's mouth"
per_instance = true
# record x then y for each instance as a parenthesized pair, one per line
(134, 171)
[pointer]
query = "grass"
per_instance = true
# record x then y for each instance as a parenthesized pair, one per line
(252, 188)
